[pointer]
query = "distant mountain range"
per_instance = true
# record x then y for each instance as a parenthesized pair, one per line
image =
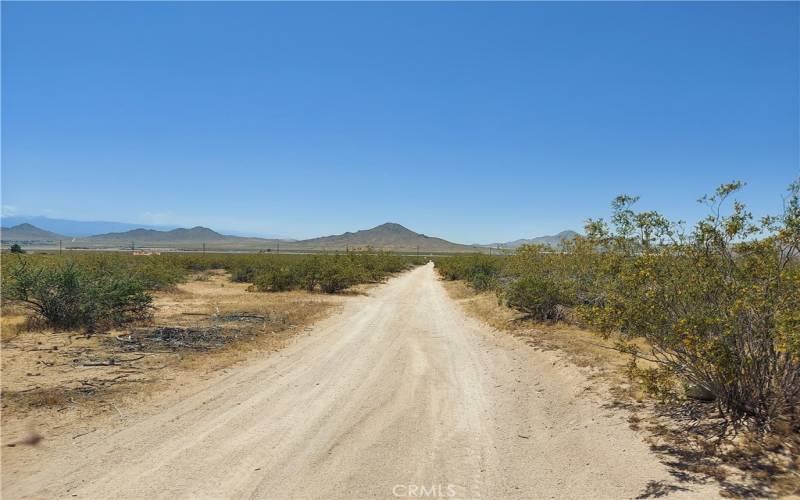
(194, 234)
(76, 228)
(389, 236)
(553, 241)
(28, 233)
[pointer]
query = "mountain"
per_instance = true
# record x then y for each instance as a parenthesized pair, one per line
(28, 233)
(76, 228)
(389, 236)
(553, 241)
(196, 234)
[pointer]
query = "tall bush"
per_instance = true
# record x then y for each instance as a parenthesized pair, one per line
(719, 305)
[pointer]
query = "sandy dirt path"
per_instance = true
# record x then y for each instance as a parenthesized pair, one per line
(399, 392)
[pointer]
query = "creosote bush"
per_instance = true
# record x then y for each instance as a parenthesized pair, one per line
(94, 290)
(538, 296)
(718, 304)
(326, 273)
(66, 295)
(479, 270)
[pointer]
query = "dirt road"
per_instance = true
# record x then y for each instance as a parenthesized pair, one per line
(399, 395)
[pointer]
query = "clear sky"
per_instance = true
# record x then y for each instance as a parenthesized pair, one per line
(475, 122)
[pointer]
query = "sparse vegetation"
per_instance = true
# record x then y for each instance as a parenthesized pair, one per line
(718, 305)
(479, 270)
(99, 290)
(326, 273)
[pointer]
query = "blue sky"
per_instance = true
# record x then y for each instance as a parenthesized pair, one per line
(475, 122)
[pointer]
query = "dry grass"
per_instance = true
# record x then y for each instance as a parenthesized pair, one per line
(202, 302)
(12, 322)
(50, 375)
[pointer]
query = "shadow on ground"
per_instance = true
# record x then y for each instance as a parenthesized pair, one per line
(698, 446)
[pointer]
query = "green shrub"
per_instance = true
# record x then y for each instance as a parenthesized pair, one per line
(337, 276)
(66, 295)
(155, 272)
(718, 305)
(328, 273)
(480, 271)
(275, 280)
(310, 273)
(242, 273)
(537, 296)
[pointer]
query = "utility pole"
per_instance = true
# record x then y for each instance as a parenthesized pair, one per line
(59, 247)
(279, 247)
(417, 251)
(133, 247)
(204, 249)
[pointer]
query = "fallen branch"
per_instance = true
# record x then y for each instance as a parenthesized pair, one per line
(84, 433)
(112, 361)
(31, 389)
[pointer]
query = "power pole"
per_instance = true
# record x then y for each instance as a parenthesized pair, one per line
(59, 247)
(417, 251)
(204, 249)
(133, 247)
(279, 247)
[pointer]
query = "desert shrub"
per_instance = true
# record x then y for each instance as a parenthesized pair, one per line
(479, 270)
(243, 273)
(718, 305)
(538, 296)
(94, 290)
(67, 295)
(15, 248)
(540, 282)
(310, 274)
(155, 272)
(338, 275)
(275, 280)
(115, 300)
(328, 273)
(657, 381)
